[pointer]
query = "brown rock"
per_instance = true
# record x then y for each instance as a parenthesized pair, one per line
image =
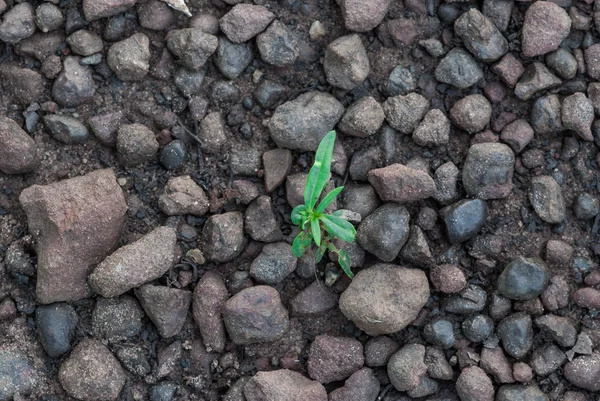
(474, 385)
(334, 358)
(76, 224)
(277, 164)
(361, 386)
(401, 184)
(587, 298)
(558, 253)
(105, 127)
(18, 152)
(313, 300)
(23, 84)
(283, 384)
(544, 28)
(166, 307)
(448, 279)
(183, 196)
(584, 372)
(209, 297)
(245, 21)
(517, 134)
(522, 372)
(509, 69)
(495, 363)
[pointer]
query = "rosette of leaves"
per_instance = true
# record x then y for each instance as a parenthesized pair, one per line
(317, 227)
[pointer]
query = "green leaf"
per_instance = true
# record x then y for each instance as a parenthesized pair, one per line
(328, 199)
(298, 246)
(319, 253)
(298, 214)
(315, 228)
(344, 261)
(319, 173)
(338, 213)
(339, 227)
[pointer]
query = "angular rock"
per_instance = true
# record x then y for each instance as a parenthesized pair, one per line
(92, 373)
(183, 196)
(105, 127)
(401, 293)
(133, 265)
(547, 359)
(560, 328)
(213, 134)
(495, 363)
(536, 78)
(547, 199)
(97, 9)
(458, 69)
(545, 26)
(471, 113)
(268, 94)
(166, 307)
(300, 124)
(398, 183)
(509, 69)
(278, 45)
(346, 63)
(361, 199)
(363, 161)
(277, 164)
(563, 63)
(18, 151)
(401, 81)
(434, 130)
(136, 144)
(470, 300)
(363, 118)
(578, 115)
(516, 334)
(406, 367)
(523, 279)
(313, 300)
(474, 385)
(66, 129)
(85, 43)
(364, 15)
(260, 222)
(584, 372)
(232, 58)
(255, 315)
(129, 58)
(546, 115)
(192, 46)
(361, 386)
(586, 206)
(283, 384)
(334, 358)
(416, 250)
(74, 85)
(378, 351)
(245, 21)
(592, 61)
(18, 23)
(480, 36)
(117, 319)
(488, 171)
(76, 223)
(405, 112)
(56, 324)
(437, 365)
(587, 298)
(517, 134)
(464, 219)
(25, 85)
(274, 264)
(385, 231)
(17, 373)
(155, 15)
(210, 296)
(223, 236)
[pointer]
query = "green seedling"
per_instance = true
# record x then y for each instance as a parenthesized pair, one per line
(317, 226)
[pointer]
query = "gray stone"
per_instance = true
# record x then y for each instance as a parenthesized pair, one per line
(282, 384)
(213, 133)
(66, 129)
(85, 43)
(268, 94)
(363, 15)
(434, 130)
(401, 81)
(406, 367)
(439, 332)
(516, 334)
(547, 199)
(117, 319)
(189, 82)
(192, 46)
(129, 58)
(183, 196)
(535, 79)
(584, 372)
(136, 144)
(563, 63)
(546, 115)
(499, 12)
(232, 58)
(363, 118)
(260, 222)
(488, 171)
(547, 359)
(18, 151)
(523, 279)
(474, 385)
(362, 385)
(480, 36)
(17, 374)
(334, 358)
(210, 295)
(470, 300)
(173, 155)
(18, 23)
(223, 236)
(97, 9)
(471, 113)
(166, 307)
(360, 198)
(578, 115)
(385, 231)
(464, 219)
(74, 85)
(245, 21)
(560, 328)
(404, 113)
(313, 300)
(401, 184)
(520, 392)
(477, 328)
(277, 164)
(458, 69)
(48, 17)
(346, 63)
(278, 45)
(105, 127)
(56, 324)
(274, 264)
(586, 206)
(446, 179)
(156, 15)
(26, 86)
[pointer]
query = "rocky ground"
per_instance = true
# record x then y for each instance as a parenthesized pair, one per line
(150, 159)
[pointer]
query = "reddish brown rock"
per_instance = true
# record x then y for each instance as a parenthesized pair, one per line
(402, 184)
(334, 358)
(448, 279)
(209, 297)
(544, 28)
(283, 384)
(76, 224)
(495, 363)
(474, 385)
(18, 152)
(587, 298)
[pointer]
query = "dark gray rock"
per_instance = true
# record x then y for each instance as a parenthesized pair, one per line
(458, 69)
(523, 279)
(245, 21)
(85, 43)
(584, 372)
(232, 58)
(260, 222)
(224, 93)
(378, 351)
(385, 231)
(406, 367)
(362, 385)
(499, 12)
(480, 36)
(363, 161)
(166, 307)
(470, 300)
(360, 198)
(446, 180)
(546, 115)
(488, 171)
(464, 219)
(74, 85)
(434, 130)
(516, 334)
(189, 82)
(173, 155)
(563, 63)
(18, 23)
(334, 358)
(192, 46)
(105, 127)
(274, 264)
(135, 359)
(401, 81)
(56, 324)
(547, 359)
(477, 328)
(66, 129)
(268, 94)
(536, 78)
(471, 113)
(17, 374)
(163, 392)
(278, 45)
(48, 17)
(404, 113)
(223, 236)
(440, 332)
(363, 118)
(117, 319)
(547, 199)
(586, 206)
(560, 328)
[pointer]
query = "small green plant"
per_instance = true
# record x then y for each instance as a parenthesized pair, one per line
(315, 225)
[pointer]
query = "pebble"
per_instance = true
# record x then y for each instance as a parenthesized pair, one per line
(183, 196)
(448, 279)
(363, 15)
(516, 334)
(560, 328)
(547, 359)
(470, 300)
(255, 315)
(162, 392)
(18, 153)
(584, 372)
(91, 372)
(173, 155)
(300, 124)
(277, 164)
(522, 372)
(117, 319)
(448, 13)
(97, 9)
(260, 222)
(25, 85)
(189, 82)
(245, 21)
(65, 129)
(446, 180)
(67, 251)
(209, 23)
(439, 332)
(545, 26)
(269, 94)
(416, 250)
(523, 279)
(74, 85)
(471, 113)
(166, 307)
(133, 265)
(223, 236)
(85, 43)
(334, 358)
(401, 184)
(401, 81)
(474, 385)
(578, 115)
(547, 199)
(232, 58)
(477, 328)
(517, 134)
(155, 15)
(378, 351)
(535, 79)
(586, 206)
(363, 118)
(18, 374)
(480, 36)
(130, 58)
(115, 28)
(433, 130)
(278, 45)
(404, 113)
(592, 60)
(213, 133)
(464, 219)
(48, 17)
(361, 385)
(313, 300)
(518, 392)
(495, 363)
(437, 364)
(363, 161)
(499, 12)
(18, 23)
(283, 384)
(385, 231)
(56, 324)
(546, 115)
(192, 46)
(509, 69)
(136, 144)
(563, 63)
(274, 264)
(434, 47)
(401, 295)
(209, 297)
(458, 69)
(488, 171)
(407, 366)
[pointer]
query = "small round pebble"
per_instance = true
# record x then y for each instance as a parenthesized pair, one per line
(477, 328)
(522, 372)
(173, 155)
(448, 279)
(586, 206)
(440, 332)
